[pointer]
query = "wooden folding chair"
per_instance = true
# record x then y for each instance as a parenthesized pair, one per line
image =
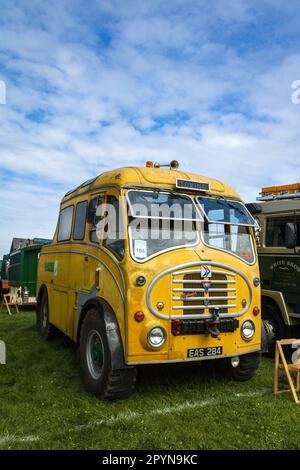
(9, 300)
(281, 363)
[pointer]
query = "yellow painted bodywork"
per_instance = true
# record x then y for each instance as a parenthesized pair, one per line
(67, 268)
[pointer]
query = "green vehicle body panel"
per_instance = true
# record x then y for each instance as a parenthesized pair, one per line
(280, 266)
(282, 273)
(22, 270)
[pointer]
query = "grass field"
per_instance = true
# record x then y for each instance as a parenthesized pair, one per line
(43, 405)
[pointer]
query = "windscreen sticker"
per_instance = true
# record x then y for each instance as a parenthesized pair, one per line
(206, 271)
(140, 249)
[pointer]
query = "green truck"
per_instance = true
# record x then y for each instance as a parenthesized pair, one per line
(278, 215)
(4, 287)
(22, 272)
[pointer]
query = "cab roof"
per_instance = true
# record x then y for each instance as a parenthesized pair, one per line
(130, 177)
(275, 206)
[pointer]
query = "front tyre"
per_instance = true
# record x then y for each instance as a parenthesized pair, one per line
(240, 369)
(273, 325)
(97, 375)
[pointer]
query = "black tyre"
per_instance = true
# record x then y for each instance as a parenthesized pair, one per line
(95, 362)
(45, 328)
(245, 368)
(274, 327)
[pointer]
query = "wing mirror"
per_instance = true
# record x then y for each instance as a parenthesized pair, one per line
(92, 218)
(290, 235)
(92, 211)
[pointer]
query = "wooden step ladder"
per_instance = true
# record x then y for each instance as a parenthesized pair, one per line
(281, 363)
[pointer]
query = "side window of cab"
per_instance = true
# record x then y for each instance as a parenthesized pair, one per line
(113, 238)
(65, 224)
(80, 220)
(110, 233)
(94, 217)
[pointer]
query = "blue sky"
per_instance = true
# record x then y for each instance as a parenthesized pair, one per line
(99, 84)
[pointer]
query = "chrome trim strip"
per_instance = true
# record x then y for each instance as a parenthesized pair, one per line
(196, 289)
(203, 316)
(199, 281)
(201, 307)
(188, 299)
(194, 271)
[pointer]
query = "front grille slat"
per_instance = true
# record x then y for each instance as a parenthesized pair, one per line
(197, 281)
(186, 289)
(194, 271)
(204, 298)
(201, 307)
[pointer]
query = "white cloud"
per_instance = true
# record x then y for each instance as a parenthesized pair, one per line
(98, 106)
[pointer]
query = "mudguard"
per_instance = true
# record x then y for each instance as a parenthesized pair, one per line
(112, 330)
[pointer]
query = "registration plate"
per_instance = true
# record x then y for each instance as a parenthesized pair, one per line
(205, 352)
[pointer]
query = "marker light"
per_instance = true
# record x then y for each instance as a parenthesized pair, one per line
(174, 165)
(256, 311)
(140, 281)
(139, 316)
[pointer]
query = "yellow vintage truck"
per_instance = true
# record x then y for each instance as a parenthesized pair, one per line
(152, 265)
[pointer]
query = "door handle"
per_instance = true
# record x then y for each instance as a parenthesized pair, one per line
(98, 278)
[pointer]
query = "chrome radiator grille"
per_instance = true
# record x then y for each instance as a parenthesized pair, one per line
(192, 294)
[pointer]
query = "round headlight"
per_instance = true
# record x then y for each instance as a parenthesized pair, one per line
(156, 337)
(248, 330)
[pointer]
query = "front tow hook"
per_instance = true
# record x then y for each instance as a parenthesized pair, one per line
(212, 325)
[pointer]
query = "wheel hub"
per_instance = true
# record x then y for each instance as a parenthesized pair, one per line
(94, 354)
(270, 331)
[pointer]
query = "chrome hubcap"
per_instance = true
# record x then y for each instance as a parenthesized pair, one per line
(94, 354)
(44, 317)
(270, 331)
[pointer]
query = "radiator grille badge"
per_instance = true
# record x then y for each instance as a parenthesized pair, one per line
(206, 286)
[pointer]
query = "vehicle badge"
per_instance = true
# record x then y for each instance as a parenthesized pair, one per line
(206, 271)
(206, 286)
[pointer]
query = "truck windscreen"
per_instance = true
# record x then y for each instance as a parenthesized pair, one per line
(160, 221)
(226, 211)
(227, 227)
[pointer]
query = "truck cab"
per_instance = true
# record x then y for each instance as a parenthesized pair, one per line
(152, 265)
(277, 211)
